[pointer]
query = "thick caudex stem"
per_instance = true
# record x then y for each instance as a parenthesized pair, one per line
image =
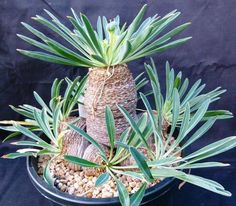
(110, 86)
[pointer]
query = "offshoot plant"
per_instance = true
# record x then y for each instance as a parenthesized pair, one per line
(45, 119)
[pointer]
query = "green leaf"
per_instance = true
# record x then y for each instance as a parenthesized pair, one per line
(12, 135)
(160, 49)
(78, 91)
(133, 125)
(91, 34)
(22, 112)
(103, 178)
(90, 139)
(47, 176)
(68, 95)
(183, 88)
(175, 114)
(110, 124)
(26, 143)
(123, 194)
(62, 31)
(104, 23)
(140, 160)
(81, 162)
(50, 58)
(212, 149)
(99, 59)
(203, 165)
(136, 22)
(158, 136)
(202, 130)
(99, 28)
(27, 132)
(193, 179)
(43, 122)
(166, 37)
(206, 184)
(137, 197)
(125, 51)
(142, 125)
(197, 117)
(191, 92)
(56, 119)
(17, 154)
(41, 102)
(83, 34)
(36, 43)
(9, 128)
(220, 114)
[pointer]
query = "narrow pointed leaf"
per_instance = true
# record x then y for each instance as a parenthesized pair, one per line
(103, 178)
(141, 162)
(80, 161)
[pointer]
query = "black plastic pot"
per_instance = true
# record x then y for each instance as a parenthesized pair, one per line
(158, 195)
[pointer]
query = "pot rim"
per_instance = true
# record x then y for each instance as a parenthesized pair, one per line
(40, 184)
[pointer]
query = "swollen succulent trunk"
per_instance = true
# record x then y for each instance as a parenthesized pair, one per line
(73, 143)
(109, 86)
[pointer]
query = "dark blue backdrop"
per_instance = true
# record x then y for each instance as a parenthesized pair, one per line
(210, 55)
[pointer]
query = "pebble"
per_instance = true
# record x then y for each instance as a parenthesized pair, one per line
(89, 194)
(71, 190)
(132, 184)
(107, 194)
(76, 186)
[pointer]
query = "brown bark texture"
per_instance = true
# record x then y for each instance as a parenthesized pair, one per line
(74, 144)
(109, 86)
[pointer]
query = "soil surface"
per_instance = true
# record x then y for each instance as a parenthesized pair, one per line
(77, 183)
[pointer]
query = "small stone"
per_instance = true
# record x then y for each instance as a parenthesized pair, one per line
(129, 179)
(112, 184)
(129, 189)
(94, 179)
(89, 194)
(99, 195)
(132, 184)
(40, 171)
(63, 188)
(81, 174)
(106, 194)
(96, 192)
(71, 190)
(107, 187)
(76, 186)
(90, 183)
(60, 185)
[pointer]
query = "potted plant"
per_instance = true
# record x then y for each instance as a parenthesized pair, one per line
(112, 154)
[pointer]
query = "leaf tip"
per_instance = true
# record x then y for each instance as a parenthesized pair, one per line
(4, 156)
